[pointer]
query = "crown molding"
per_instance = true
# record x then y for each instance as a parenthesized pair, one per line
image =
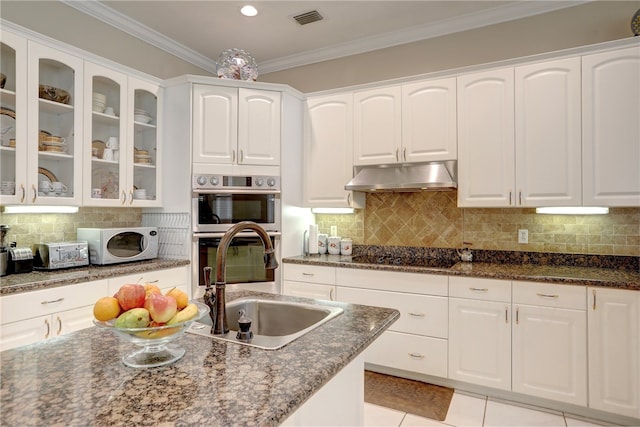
(470, 21)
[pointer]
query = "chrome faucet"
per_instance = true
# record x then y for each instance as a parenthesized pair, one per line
(215, 298)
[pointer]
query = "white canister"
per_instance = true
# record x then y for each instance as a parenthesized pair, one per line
(322, 243)
(333, 245)
(346, 246)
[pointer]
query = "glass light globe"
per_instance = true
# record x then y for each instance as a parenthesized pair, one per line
(236, 64)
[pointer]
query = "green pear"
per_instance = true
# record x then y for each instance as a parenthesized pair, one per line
(134, 318)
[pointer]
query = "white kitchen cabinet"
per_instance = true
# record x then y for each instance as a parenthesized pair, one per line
(429, 121)
(486, 140)
(549, 341)
(613, 317)
(480, 331)
(328, 152)
(309, 281)
(13, 117)
(34, 316)
(236, 126)
(118, 177)
(611, 133)
(417, 342)
(377, 126)
(165, 279)
(548, 134)
(520, 137)
(50, 67)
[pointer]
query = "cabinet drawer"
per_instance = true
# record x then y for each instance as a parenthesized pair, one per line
(164, 279)
(309, 290)
(427, 284)
(310, 273)
(480, 289)
(550, 295)
(47, 301)
(419, 314)
(410, 353)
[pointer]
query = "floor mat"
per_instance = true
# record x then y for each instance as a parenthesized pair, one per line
(414, 397)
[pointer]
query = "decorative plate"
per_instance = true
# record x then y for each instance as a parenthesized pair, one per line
(48, 174)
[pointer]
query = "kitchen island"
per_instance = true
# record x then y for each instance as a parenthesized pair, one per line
(79, 379)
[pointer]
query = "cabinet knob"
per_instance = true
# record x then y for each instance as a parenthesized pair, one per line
(24, 193)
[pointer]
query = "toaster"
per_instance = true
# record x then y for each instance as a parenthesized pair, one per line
(52, 256)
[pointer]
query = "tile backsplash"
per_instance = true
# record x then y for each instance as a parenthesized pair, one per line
(432, 219)
(30, 229)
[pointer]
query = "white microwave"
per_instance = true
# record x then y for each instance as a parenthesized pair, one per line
(116, 245)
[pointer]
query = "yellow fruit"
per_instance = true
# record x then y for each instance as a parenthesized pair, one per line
(181, 297)
(187, 313)
(149, 288)
(106, 308)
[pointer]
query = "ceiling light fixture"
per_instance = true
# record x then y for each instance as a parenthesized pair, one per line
(574, 210)
(249, 10)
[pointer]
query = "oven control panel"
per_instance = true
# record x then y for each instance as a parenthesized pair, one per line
(235, 182)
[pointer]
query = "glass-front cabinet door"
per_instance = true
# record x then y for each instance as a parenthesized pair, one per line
(105, 118)
(54, 132)
(13, 119)
(145, 151)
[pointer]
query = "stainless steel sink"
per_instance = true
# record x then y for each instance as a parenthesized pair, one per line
(274, 323)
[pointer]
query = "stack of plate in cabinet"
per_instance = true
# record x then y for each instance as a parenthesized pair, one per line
(142, 116)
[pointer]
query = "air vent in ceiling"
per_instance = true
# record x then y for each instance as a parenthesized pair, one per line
(308, 17)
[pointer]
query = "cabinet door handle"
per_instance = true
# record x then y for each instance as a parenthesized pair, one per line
(520, 197)
(35, 193)
(52, 301)
(308, 274)
(416, 314)
(509, 198)
(233, 156)
(506, 315)
(152, 281)
(416, 355)
(130, 197)
(404, 154)
(24, 193)
(331, 294)
(397, 158)
(241, 156)
(59, 325)
(517, 315)
(479, 289)
(46, 322)
(124, 197)
(594, 299)
(348, 199)
(552, 296)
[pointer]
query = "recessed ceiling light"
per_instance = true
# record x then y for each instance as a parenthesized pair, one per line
(249, 10)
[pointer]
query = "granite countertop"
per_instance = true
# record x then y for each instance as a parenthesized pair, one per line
(570, 275)
(16, 283)
(79, 378)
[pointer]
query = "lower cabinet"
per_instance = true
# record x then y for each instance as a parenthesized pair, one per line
(613, 317)
(30, 317)
(417, 341)
(480, 331)
(309, 281)
(550, 341)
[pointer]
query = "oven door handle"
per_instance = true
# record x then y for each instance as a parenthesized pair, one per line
(241, 234)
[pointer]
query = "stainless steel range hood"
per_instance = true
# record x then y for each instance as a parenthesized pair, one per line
(435, 176)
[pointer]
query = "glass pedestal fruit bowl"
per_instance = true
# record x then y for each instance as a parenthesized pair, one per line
(156, 350)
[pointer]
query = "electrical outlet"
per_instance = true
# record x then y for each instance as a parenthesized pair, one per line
(523, 236)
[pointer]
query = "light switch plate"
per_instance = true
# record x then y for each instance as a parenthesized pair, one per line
(523, 236)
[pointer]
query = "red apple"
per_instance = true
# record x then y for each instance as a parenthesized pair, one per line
(130, 296)
(161, 307)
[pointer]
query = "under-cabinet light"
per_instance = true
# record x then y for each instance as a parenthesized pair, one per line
(573, 210)
(249, 10)
(40, 209)
(332, 210)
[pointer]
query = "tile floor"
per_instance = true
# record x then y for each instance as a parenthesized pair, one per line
(477, 411)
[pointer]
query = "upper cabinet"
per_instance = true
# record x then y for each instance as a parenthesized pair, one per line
(236, 126)
(121, 139)
(611, 134)
(411, 123)
(328, 152)
(13, 119)
(54, 126)
(519, 136)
